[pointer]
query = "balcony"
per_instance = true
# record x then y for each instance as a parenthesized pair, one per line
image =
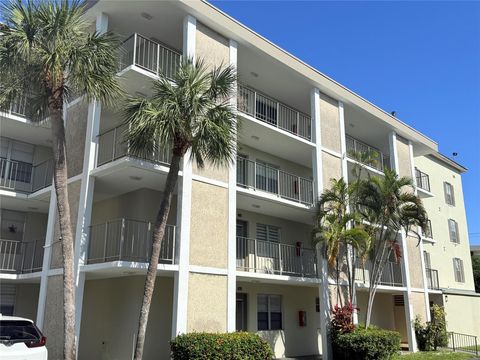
(112, 146)
(18, 107)
(391, 276)
(25, 177)
(432, 279)
(18, 257)
(149, 55)
(128, 240)
(354, 146)
(270, 257)
(258, 176)
(273, 112)
(423, 180)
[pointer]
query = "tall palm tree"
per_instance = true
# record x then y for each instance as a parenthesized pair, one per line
(389, 205)
(48, 53)
(339, 229)
(189, 113)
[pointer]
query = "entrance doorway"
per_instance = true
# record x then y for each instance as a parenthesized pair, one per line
(241, 312)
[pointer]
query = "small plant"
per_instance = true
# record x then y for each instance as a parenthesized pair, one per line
(433, 334)
(342, 319)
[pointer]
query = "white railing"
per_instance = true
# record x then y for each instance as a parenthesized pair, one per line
(128, 240)
(25, 177)
(391, 275)
(275, 258)
(251, 174)
(112, 145)
(354, 146)
(21, 257)
(17, 107)
(273, 112)
(149, 55)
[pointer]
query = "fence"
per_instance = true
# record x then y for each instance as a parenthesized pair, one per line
(21, 257)
(463, 342)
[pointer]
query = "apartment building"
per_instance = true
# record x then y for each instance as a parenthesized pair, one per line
(237, 254)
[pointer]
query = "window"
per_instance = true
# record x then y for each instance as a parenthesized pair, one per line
(458, 270)
(267, 236)
(317, 304)
(269, 312)
(449, 196)
(453, 230)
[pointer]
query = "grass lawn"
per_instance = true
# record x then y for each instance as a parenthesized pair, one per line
(439, 355)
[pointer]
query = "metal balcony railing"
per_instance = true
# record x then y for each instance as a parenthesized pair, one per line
(271, 257)
(128, 240)
(112, 145)
(251, 174)
(273, 112)
(25, 177)
(17, 107)
(423, 180)
(391, 275)
(354, 146)
(428, 231)
(149, 55)
(21, 257)
(432, 279)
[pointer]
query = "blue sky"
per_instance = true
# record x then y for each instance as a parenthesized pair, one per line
(421, 59)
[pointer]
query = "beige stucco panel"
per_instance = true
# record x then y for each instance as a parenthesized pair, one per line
(73, 200)
(417, 301)
(207, 303)
(415, 262)
(211, 171)
(330, 123)
(26, 300)
(212, 47)
(110, 314)
(331, 168)
(53, 326)
(382, 312)
(462, 313)
(75, 132)
(403, 154)
(209, 225)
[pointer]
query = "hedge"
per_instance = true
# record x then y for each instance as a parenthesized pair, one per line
(229, 346)
(366, 344)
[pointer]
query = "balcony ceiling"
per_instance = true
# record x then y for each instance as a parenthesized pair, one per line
(25, 131)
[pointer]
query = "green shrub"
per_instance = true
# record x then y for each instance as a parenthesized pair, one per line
(433, 334)
(229, 346)
(366, 344)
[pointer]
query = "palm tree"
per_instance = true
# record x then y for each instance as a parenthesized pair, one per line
(189, 113)
(48, 52)
(389, 205)
(339, 229)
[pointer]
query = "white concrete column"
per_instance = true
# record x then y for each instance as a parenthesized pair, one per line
(47, 255)
(232, 217)
(322, 266)
(419, 231)
(412, 343)
(85, 209)
(184, 207)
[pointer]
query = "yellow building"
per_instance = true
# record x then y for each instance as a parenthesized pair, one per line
(237, 254)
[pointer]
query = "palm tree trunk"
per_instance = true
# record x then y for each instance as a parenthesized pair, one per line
(63, 208)
(158, 234)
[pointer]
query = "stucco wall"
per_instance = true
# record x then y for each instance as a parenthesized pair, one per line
(403, 153)
(290, 231)
(292, 340)
(417, 300)
(141, 204)
(462, 314)
(332, 169)
(382, 313)
(330, 123)
(26, 300)
(209, 225)
(443, 251)
(414, 262)
(35, 226)
(75, 132)
(41, 154)
(73, 199)
(110, 316)
(53, 326)
(214, 49)
(207, 303)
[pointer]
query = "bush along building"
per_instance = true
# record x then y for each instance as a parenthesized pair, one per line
(237, 254)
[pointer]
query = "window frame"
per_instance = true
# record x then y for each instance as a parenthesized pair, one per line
(459, 274)
(454, 239)
(269, 311)
(449, 193)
